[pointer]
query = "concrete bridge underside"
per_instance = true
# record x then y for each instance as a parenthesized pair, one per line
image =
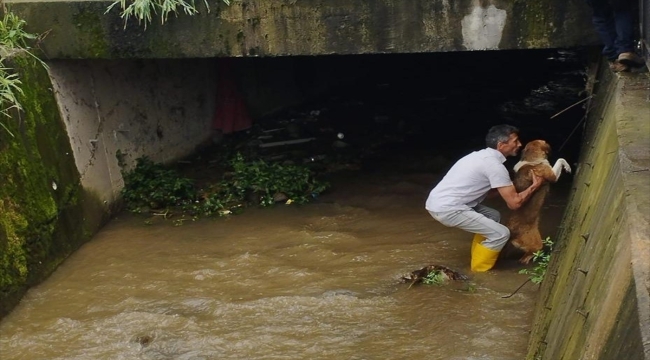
(83, 29)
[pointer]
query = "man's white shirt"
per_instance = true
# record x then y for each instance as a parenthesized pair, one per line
(468, 181)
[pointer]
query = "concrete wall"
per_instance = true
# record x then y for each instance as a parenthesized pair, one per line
(81, 29)
(156, 108)
(595, 301)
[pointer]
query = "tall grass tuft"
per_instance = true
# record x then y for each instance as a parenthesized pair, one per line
(13, 41)
(144, 10)
(9, 86)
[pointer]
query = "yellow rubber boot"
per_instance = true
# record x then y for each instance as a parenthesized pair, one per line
(483, 259)
(478, 238)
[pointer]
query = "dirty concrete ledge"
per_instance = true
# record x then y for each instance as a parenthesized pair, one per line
(595, 299)
(633, 128)
(251, 28)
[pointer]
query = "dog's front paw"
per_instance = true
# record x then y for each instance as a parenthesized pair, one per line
(565, 165)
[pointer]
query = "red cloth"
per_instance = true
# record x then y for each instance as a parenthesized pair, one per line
(231, 114)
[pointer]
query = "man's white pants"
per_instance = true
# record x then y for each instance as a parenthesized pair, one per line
(481, 220)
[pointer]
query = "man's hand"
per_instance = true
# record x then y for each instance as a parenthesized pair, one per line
(515, 200)
(537, 181)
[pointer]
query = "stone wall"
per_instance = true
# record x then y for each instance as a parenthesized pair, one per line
(594, 301)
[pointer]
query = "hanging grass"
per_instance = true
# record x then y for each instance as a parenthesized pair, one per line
(144, 10)
(13, 42)
(9, 87)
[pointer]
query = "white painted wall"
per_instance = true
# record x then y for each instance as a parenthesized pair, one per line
(483, 27)
(159, 108)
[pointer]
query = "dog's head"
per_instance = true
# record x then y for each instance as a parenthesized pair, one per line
(536, 150)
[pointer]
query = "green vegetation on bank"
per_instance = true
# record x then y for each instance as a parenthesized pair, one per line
(154, 187)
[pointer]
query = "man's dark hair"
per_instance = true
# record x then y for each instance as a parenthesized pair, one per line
(499, 133)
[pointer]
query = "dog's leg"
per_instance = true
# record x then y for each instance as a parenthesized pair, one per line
(560, 164)
(526, 258)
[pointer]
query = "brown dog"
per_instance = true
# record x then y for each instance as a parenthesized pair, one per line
(524, 222)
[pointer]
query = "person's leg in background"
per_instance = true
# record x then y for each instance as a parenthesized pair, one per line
(604, 24)
(624, 42)
(614, 25)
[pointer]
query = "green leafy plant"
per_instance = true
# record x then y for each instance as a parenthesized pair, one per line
(265, 181)
(14, 39)
(155, 186)
(541, 259)
(435, 277)
(12, 35)
(143, 10)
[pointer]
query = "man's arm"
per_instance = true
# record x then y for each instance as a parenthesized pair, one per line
(515, 200)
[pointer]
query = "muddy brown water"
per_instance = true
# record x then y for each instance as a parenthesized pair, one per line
(315, 281)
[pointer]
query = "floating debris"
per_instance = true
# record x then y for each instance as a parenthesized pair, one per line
(286, 142)
(433, 274)
(143, 340)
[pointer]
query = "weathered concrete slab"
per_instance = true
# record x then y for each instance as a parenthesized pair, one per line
(596, 294)
(117, 111)
(81, 29)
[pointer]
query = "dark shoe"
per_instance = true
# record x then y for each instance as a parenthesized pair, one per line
(617, 66)
(630, 59)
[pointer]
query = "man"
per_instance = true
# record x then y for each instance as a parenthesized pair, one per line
(613, 22)
(456, 200)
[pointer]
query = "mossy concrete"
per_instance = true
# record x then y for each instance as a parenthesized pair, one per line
(595, 301)
(45, 214)
(81, 29)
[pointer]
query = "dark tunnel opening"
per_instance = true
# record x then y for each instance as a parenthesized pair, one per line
(420, 112)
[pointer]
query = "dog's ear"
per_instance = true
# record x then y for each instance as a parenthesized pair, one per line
(536, 149)
(531, 148)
